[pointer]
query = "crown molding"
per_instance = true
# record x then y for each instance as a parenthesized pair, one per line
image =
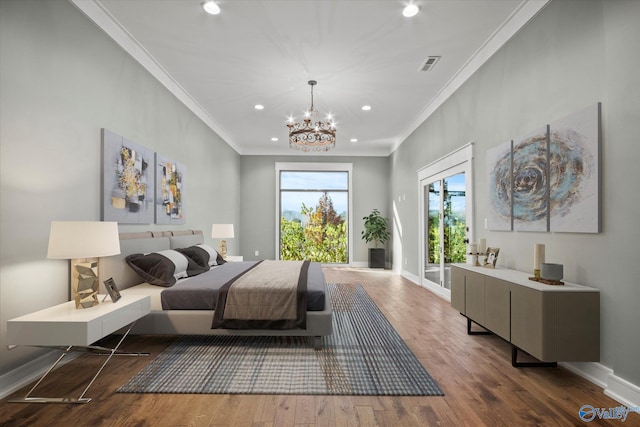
(509, 28)
(96, 12)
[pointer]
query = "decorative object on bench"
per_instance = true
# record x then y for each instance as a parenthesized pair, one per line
(83, 242)
(551, 271)
(550, 274)
(112, 289)
(492, 257)
(538, 258)
(478, 252)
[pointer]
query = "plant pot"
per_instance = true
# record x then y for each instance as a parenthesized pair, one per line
(376, 257)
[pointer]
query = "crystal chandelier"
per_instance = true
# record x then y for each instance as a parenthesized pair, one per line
(312, 134)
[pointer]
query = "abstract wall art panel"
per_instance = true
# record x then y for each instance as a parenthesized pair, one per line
(127, 180)
(573, 172)
(530, 183)
(500, 206)
(549, 180)
(170, 181)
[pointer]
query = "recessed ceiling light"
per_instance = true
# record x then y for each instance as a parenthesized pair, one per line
(411, 10)
(274, 139)
(354, 139)
(211, 7)
(366, 107)
(259, 107)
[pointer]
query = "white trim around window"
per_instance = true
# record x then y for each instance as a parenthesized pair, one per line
(309, 167)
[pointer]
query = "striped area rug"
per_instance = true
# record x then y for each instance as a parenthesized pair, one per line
(364, 356)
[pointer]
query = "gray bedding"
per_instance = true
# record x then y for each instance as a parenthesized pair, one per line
(200, 292)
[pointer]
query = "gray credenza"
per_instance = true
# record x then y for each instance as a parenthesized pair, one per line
(553, 323)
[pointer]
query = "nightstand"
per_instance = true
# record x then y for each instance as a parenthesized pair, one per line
(69, 329)
(235, 258)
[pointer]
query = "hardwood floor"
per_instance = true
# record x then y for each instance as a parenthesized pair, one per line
(475, 373)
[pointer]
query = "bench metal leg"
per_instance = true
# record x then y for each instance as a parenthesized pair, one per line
(65, 351)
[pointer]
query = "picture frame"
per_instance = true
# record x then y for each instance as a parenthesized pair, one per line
(112, 289)
(492, 257)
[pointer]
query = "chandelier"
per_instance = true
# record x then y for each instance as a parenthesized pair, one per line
(312, 134)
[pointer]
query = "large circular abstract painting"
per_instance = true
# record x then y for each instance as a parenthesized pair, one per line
(548, 180)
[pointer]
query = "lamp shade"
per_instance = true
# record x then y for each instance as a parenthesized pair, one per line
(83, 239)
(222, 231)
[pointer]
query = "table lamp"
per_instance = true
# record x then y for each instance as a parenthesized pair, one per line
(222, 231)
(83, 242)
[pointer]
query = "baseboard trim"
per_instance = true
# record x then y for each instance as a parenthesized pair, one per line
(623, 391)
(29, 372)
(613, 386)
(592, 371)
(438, 290)
(360, 264)
(410, 276)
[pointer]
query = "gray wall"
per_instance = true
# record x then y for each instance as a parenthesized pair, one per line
(62, 79)
(258, 199)
(573, 54)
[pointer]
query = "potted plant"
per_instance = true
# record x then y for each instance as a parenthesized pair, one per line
(375, 229)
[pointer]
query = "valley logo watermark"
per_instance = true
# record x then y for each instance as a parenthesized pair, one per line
(588, 413)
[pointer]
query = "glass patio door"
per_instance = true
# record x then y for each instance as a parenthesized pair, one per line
(446, 217)
(434, 236)
(445, 213)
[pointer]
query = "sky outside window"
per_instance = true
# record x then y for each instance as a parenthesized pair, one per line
(306, 183)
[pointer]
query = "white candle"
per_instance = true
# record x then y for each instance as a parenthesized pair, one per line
(482, 247)
(538, 255)
(473, 248)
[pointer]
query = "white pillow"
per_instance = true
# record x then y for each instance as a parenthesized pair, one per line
(179, 260)
(213, 254)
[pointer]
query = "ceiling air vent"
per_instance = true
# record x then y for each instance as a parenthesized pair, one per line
(429, 63)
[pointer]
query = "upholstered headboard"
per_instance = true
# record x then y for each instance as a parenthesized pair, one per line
(143, 242)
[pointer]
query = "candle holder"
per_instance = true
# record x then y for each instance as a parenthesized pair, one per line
(472, 258)
(538, 258)
(473, 252)
(482, 257)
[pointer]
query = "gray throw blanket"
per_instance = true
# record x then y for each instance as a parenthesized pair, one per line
(271, 295)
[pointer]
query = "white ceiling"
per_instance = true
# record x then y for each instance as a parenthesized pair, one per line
(264, 52)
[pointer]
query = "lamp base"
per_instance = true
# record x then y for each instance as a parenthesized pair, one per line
(222, 248)
(84, 289)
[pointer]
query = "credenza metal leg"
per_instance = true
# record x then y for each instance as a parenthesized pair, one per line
(470, 332)
(516, 364)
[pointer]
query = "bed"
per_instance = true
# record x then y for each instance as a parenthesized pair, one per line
(199, 321)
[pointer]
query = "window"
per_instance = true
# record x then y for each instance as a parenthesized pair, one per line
(313, 212)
